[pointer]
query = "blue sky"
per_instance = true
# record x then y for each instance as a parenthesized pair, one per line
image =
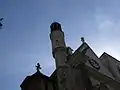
(24, 40)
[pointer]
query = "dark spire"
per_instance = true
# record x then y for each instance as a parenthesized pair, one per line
(55, 26)
(38, 67)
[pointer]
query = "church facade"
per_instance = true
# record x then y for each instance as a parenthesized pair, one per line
(81, 70)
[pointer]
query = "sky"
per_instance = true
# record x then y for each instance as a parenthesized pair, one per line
(25, 41)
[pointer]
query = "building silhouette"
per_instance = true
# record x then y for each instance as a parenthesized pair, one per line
(81, 70)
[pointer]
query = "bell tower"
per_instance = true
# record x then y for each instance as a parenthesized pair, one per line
(58, 44)
(59, 51)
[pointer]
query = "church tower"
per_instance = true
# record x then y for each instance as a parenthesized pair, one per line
(58, 44)
(59, 51)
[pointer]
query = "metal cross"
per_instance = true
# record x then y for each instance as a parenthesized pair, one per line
(38, 67)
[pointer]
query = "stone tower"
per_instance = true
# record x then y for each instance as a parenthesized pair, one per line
(59, 51)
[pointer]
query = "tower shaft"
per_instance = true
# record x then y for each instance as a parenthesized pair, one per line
(60, 55)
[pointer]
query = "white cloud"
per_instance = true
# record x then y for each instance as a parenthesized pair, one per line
(106, 26)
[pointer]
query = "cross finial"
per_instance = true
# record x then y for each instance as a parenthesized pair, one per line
(38, 67)
(1, 19)
(1, 23)
(82, 39)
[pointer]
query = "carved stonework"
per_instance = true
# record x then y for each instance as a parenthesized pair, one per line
(94, 64)
(100, 86)
(62, 72)
(103, 87)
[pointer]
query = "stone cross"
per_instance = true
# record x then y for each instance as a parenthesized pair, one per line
(38, 67)
(82, 39)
